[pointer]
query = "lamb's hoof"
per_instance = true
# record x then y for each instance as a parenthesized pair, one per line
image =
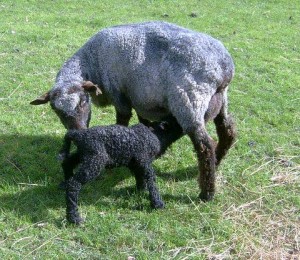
(77, 220)
(62, 185)
(158, 205)
(206, 196)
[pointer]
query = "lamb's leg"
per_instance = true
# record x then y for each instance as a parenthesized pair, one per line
(88, 170)
(138, 175)
(145, 176)
(206, 159)
(226, 131)
(154, 196)
(68, 166)
(73, 188)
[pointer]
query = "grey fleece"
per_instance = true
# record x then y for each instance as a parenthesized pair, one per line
(157, 68)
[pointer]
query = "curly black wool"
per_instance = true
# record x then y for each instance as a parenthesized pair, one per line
(111, 146)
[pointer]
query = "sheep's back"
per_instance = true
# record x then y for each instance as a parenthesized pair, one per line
(145, 62)
(143, 50)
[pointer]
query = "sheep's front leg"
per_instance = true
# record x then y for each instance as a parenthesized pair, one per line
(206, 159)
(123, 119)
(154, 196)
(123, 108)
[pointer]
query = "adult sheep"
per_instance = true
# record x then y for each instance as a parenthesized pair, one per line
(159, 69)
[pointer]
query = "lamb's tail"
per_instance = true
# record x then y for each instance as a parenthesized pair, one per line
(65, 150)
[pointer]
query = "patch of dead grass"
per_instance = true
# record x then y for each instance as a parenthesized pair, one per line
(268, 228)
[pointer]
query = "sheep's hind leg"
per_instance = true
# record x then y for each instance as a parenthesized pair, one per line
(188, 103)
(206, 159)
(226, 131)
(189, 108)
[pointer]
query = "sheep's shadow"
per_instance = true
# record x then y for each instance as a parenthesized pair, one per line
(31, 174)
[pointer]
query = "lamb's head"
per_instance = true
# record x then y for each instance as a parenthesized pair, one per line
(167, 131)
(72, 105)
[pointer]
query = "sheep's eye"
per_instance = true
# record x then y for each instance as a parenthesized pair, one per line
(82, 102)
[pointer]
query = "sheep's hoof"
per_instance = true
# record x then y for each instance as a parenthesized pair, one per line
(158, 205)
(206, 196)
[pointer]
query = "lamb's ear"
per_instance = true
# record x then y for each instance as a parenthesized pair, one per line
(164, 125)
(91, 87)
(41, 100)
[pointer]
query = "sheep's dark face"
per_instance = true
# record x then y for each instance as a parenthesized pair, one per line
(72, 107)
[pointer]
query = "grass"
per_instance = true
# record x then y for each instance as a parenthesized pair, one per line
(255, 214)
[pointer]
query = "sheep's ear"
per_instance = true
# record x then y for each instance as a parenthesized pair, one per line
(91, 87)
(41, 100)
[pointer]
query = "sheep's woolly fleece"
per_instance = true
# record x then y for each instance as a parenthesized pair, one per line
(157, 68)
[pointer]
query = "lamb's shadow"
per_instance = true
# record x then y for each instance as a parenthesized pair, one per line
(31, 173)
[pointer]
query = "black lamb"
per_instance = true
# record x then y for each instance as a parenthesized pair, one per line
(111, 146)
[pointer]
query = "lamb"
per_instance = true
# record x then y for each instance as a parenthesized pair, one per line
(112, 146)
(159, 69)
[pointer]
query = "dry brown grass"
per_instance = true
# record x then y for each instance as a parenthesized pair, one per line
(268, 227)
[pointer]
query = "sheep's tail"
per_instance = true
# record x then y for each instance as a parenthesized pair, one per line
(65, 150)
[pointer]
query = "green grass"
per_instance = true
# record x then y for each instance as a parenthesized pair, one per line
(256, 210)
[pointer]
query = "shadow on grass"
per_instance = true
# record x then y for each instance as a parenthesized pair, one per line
(30, 174)
(179, 175)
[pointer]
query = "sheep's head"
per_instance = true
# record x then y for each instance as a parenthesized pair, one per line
(72, 105)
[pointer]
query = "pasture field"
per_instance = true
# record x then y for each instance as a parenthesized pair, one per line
(256, 210)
